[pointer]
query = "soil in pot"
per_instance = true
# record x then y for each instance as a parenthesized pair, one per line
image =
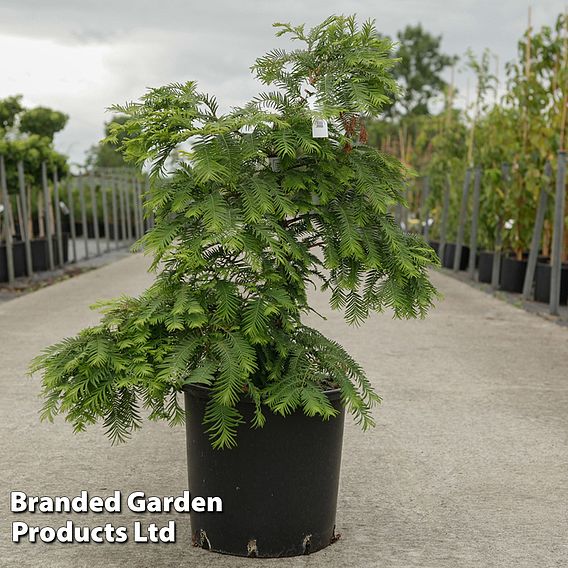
(513, 274)
(278, 486)
(542, 283)
(449, 254)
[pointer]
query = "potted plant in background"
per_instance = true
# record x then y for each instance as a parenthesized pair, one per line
(499, 126)
(536, 95)
(262, 202)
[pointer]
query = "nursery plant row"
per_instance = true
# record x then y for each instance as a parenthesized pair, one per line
(538, 272)
(490, 165)
(63, 221)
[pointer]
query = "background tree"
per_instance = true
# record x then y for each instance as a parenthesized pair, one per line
(32, 151)
(537, 92)
(106, 154)
(10, 107)
(42, 121)
(419, 71)
(27, 135)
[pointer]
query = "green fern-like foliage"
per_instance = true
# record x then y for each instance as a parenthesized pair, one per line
(254, 212)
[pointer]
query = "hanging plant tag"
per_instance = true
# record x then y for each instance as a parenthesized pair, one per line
(274, 163)
(319, 128)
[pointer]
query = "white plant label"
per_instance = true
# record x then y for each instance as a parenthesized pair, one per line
(319, 128)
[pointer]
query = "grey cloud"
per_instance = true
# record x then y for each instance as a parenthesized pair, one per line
(215, 42)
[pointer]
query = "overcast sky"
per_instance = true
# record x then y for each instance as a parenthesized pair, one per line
(80, 56)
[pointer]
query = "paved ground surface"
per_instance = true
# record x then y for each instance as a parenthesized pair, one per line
(97, 258)
(468, 466)
(541, 309)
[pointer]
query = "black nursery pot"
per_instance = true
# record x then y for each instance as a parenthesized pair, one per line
(542, 283)
(513, 274)
(450, 253)
(40, 254)
(19, 260)
(80, 232)
(435, 245)
(279, 485)
(485, 266)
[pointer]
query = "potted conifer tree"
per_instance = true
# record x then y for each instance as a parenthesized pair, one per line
(259, 204)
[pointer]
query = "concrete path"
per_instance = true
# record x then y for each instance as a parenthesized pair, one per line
(25, 285)
(468, 466)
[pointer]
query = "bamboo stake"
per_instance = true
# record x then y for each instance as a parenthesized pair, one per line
(6, 214)
(527, 77)
(425, 213)
(526, 116)
(471, 143)
(105, 219)
(498, 249)
(128, 212)
(115, 220)
(152, 218)
(474, 223)
(25, 212)
(132, 184)
(58, 228)
(139, 197)
(556, 265)
(444, 222)
(30, 216)
(401, 144)
(20, 216)
(85, 228)
(564, 88)
(461, 223)
(11, 222)
(537, 232)
(48, 225)
(40, 216)
(563, 253)
(72, 220)
(92, 183)
(122, 203)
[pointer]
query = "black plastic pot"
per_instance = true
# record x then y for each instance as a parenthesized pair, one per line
(435, 245)
(512, 274)
(40, 258)
(40, 254)
(18, 252)
(485, 267)
(449, 254)
(79, 230)
(542, 283)
(279, 485)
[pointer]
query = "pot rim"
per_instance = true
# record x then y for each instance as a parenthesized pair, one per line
(564, 265)
(203, 391)
(512, 258)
